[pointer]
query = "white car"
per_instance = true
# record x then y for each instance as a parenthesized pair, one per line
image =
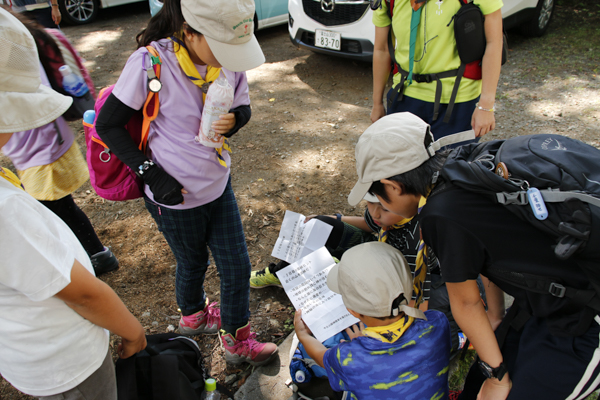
(344, 28)
(267, 12)
(78, 12)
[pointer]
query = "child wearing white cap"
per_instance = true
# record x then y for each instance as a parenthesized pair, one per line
(52, 308)
(403, 352)
(550, 348)
(188, 185)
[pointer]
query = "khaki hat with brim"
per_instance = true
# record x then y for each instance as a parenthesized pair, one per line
(228, 26)
(25, 102)
(370, 277)
(393, 145)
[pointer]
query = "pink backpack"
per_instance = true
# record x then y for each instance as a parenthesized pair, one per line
(109, 176)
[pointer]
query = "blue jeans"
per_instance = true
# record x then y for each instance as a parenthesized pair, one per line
(459, 121)
(190, 233)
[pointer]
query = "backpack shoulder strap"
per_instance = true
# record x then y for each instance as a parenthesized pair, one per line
(151, 105)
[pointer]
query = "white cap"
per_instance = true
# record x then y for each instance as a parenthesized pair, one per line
(371, 277)
(393, 145)
(25, 102)
(228, 26)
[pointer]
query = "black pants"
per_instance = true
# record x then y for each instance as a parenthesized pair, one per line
(42, 16)
(79, 223)
(544, 366)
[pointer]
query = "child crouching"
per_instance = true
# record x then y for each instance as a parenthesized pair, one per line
(403, 352)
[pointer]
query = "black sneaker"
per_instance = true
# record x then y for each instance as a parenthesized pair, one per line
(104, 262)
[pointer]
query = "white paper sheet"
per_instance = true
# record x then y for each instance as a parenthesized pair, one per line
(305, 283)
(297, 239)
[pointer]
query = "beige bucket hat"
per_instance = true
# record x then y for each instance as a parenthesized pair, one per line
(25, 103)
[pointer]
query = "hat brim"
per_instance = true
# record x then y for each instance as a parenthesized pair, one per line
(24, 111)
(358, 192)
(237, 57)
(333, 280)
(370, 198)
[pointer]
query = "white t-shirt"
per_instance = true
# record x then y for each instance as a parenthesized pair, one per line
(46, 348)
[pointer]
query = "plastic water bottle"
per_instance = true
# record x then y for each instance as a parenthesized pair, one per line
(300, 376)
(219, 99)
(89, 117)
(73, 84)
(210, 390)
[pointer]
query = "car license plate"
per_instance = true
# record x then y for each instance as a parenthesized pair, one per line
(328, 39)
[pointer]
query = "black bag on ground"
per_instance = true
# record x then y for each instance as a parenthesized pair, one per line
(169, 368)
(528, 174)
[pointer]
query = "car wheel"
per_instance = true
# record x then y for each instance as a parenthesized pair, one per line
(538, 25)
(78, 12)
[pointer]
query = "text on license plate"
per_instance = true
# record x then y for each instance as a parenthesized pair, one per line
(328, 39)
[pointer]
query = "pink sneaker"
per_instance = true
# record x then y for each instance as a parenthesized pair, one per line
(205, 321)
(244, 348)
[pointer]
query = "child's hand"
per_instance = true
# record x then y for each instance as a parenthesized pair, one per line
(127, 348)
(355, 330)
(299, 325)
(225, 123)
(309, 218)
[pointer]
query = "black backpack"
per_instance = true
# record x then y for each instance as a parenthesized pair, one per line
(169, 368)
(551, 181)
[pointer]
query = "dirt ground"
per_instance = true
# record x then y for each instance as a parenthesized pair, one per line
(297, 152)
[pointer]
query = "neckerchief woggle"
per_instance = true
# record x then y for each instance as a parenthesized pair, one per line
(190, 70)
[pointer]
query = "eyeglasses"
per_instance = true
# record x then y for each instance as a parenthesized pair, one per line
(375, 4)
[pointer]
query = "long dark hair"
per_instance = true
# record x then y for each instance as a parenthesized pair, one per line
(165, 23)
(44, 42)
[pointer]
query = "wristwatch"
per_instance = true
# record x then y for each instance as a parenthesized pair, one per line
(490, 372)
(145, 167)
(338, 216)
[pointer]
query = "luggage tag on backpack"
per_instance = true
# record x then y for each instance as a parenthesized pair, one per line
(536, 201)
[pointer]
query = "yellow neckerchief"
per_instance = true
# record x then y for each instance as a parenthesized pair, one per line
(389, 333)
(190, 70)
(421, 263)
(11, 177)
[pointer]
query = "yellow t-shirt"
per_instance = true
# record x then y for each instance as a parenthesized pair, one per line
(439, 54)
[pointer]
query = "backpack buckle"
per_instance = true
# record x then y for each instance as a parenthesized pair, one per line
(506, 198)
(557, 290)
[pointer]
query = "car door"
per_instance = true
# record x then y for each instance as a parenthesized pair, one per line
(511, 7)
(271, 12)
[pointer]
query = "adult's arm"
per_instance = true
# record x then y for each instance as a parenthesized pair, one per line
(470, 315)
(56, 17)
(110, 126)
(381, 70)
(484, 121)
(98, 303)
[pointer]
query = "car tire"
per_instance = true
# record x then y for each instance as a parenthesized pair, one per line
(78, 12)
(538, 25)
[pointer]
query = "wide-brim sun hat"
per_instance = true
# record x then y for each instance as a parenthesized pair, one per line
(25, 102)
(228, 27)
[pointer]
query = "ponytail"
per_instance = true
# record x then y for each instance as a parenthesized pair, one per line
(168, 21)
